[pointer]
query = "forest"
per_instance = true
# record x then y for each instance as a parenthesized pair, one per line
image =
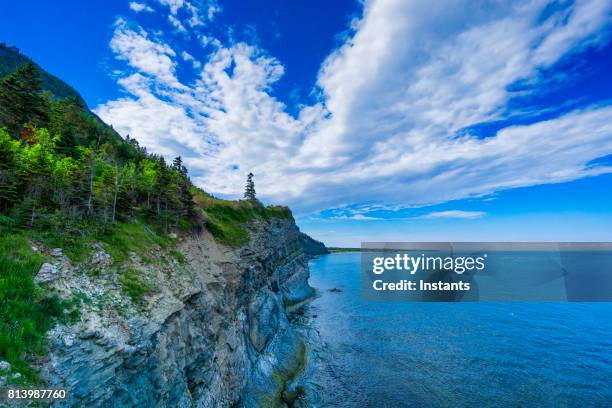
(60, 164)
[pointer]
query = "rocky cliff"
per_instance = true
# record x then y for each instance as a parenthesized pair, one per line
(311, 246)
(211, 330)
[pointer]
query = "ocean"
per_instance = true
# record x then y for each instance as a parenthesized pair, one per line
(373, 354)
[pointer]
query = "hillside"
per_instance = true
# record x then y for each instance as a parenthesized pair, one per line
(97, 234)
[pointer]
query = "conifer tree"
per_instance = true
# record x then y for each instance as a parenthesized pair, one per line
(21, 100)
(249, 191)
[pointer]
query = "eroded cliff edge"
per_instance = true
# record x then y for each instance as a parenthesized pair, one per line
(213, 332)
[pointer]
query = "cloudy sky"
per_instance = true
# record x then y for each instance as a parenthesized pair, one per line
(374, 120)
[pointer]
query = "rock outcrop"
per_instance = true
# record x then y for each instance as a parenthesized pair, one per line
(212, 332)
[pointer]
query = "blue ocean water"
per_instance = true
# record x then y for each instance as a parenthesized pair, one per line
(454, 354)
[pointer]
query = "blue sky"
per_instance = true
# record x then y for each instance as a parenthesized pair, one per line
(376, 120)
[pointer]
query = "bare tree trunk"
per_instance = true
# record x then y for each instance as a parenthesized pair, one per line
(116, 193)
(166, 218)
(33, 215)
(91, 177)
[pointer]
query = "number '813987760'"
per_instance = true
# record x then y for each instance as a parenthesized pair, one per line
(35, 394)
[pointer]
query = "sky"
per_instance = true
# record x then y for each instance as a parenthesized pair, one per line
(381, 120)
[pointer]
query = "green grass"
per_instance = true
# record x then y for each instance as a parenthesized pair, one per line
(134, 286)
(227, 219)
(136, 237)
(74, 235)
(178, 256)
(278, 211)
(26, 311)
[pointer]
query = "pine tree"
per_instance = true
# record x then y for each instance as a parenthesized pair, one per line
(21, 100)
(249, 191)
(10, 171)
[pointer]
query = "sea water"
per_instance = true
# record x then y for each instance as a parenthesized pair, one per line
(454, 354)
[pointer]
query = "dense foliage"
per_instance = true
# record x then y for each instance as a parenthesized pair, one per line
(60, 164)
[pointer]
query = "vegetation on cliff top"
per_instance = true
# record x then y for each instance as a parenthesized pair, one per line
(227, 219)
(68, 180)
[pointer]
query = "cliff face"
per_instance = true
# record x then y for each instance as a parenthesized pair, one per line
(212, 331)
(311, 246)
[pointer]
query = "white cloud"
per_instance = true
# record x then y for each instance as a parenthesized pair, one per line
(454, 214)
(139, 7)
(144, 54)
(394, 98)
(199, 11)
(176, 23)
(356, 217)
(174, 5)
(188, 57)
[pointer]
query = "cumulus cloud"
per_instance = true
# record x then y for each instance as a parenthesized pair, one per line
(397, 101)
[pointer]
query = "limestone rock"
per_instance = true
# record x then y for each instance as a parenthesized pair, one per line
(47, 273)
(100, 258)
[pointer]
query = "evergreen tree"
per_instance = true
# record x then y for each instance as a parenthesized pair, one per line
(249, 191)
(21, 101)
(60, 166)
(67, 143)
(10, 171)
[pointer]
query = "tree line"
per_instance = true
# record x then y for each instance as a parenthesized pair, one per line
(60, 163)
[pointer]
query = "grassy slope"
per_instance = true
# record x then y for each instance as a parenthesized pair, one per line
(26, 310)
